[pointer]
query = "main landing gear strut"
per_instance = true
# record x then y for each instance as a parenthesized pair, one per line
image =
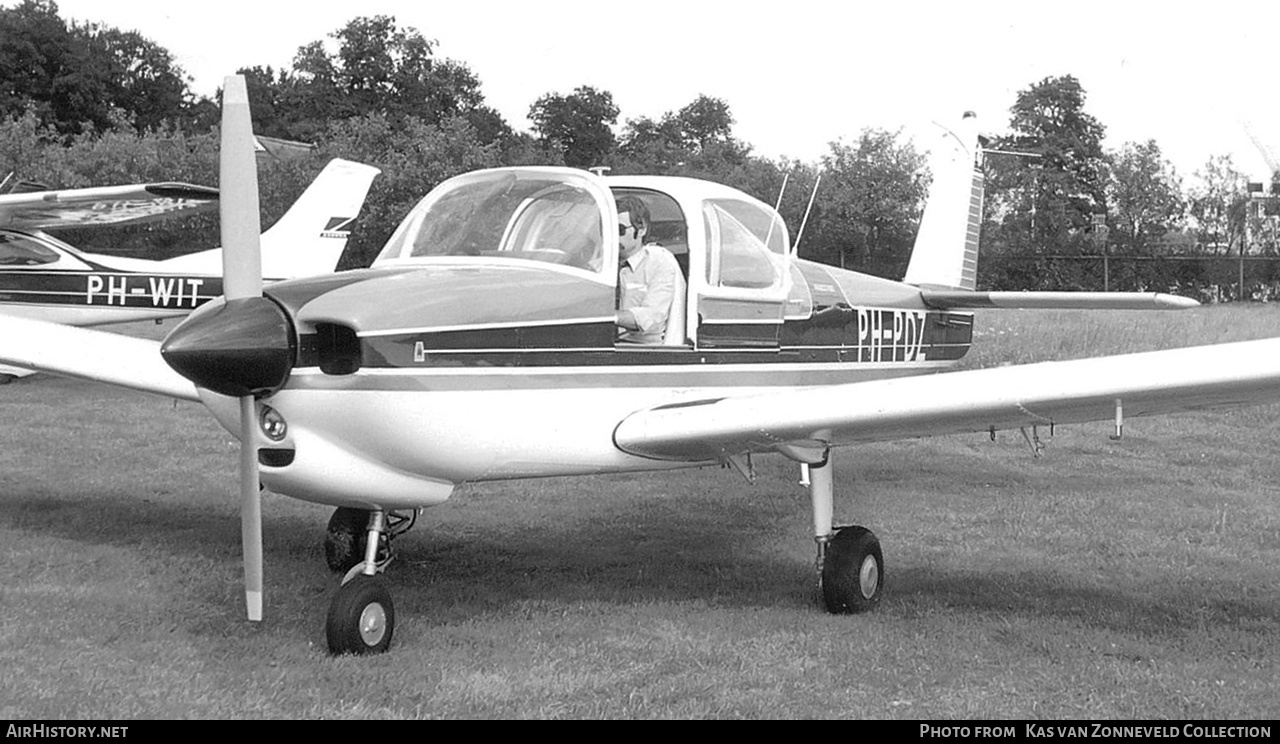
(850, 564)
(361, 618)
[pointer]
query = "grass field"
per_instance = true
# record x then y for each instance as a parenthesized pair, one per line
(1103, 579)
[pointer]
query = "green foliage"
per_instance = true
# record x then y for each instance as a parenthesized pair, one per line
(143, 80)
(1043, 204)
(44, 68)
(1217, 205)
(377, 68)
(869, 204)
(86, 78)
(576, 125)
(697, 139)
(1145, 196)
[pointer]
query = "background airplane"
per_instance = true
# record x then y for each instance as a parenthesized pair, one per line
(481, 346)
(44, 278)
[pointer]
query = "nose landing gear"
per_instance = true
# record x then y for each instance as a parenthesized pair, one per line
(345, 537)
(362, 618)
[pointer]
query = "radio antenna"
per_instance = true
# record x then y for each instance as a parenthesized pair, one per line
(782, 191)
(807, 209)
(769, 236)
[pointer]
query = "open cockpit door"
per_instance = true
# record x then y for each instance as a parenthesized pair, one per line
(669, 229)
(742, 275)
(733, 252)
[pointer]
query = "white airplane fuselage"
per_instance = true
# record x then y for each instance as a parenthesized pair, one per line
(530, 382)
(43, 278)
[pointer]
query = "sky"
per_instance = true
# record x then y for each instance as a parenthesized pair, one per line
(800, 74)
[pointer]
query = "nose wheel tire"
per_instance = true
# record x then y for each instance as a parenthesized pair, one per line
(852, 571)
(361, 618)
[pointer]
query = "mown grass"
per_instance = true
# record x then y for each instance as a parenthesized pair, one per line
(1130, 579)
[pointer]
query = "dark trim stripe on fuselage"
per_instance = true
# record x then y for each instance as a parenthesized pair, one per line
(845, 336)
(106, 288)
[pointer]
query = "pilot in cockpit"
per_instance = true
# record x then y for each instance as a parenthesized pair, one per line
(648, 277)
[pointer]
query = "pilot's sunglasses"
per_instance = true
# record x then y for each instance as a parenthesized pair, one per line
(622, 230)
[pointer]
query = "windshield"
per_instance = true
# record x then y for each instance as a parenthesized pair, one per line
(538, 215)
(20, 250)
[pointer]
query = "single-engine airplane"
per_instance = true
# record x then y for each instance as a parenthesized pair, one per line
(481, 345)
(44, 278)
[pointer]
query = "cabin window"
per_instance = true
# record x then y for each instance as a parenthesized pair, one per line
(556, 225)
(747, 245)
(20, 250)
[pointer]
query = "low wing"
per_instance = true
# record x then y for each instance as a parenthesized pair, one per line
(802, 422)
(106, 205)
(128, 362)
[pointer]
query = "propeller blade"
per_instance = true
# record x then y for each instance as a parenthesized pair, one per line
(250, 511)
(238, 205)
(242, 278)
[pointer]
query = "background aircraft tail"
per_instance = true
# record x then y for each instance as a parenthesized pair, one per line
(945, 255)
(310, 237)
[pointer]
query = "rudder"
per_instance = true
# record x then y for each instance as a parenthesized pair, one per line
(946, 248)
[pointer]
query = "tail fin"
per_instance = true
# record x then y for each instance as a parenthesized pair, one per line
(946, 249)
(310, 237)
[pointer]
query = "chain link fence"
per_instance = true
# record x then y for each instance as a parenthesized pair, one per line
(1205, 278)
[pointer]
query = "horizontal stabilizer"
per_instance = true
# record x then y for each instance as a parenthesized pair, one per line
(951, 299)
(111, 358)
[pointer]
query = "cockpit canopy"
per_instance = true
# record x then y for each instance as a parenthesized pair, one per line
(540, 214)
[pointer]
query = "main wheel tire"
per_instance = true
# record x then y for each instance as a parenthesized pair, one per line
(344, 539)
(361, 618)
(853, 571)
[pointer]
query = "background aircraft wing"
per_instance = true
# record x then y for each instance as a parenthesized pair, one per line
(115, 359)
(801, 422)
(949, 299)
(106, 205)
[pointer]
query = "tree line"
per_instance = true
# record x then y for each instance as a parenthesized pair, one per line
(93, 105)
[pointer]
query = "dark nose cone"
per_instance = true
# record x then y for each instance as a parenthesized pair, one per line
(245, 347)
